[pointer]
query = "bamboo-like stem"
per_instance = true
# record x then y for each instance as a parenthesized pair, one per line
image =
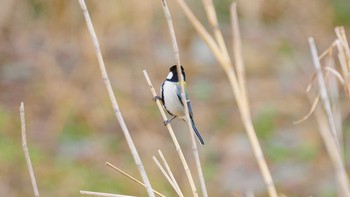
(339, 168)
(213, 21)
(224, 60)
(26, 152)
(344, 57)
(102, 194)
(237, 52)
(171, 132)
(117, 112)
(130, 177)
(167, 167)
(184, 100)
(323, 91)
(241, 100)
(166, 175)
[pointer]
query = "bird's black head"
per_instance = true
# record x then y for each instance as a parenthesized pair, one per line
(173, 76)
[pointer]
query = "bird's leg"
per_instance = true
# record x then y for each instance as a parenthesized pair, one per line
(168, 121)
(157, 98)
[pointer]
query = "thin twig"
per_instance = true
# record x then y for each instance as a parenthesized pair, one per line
(26, 152)
(184, 100)
(171, 132)
(102, 194)
(237, 53)
(336, 74)
(241, 100)
(224, 60)
(323, 90)
(167, 167)
(213, 21)
(130, 177)
(339, 168)
(166, 176)
(117, 112)
(312, 109)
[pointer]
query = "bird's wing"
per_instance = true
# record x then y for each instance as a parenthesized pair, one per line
(178, 92)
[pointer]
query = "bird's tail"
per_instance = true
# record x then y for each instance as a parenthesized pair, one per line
(196, 131)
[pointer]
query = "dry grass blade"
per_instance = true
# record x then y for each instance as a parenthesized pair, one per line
(167, 167)
(117, 112)
(102, 194)
(336, 74)
(184, 100)
(242, 102)
(166, 175)
(172, 134)
(327, 51)
(26, 152)
(237, 52)
(213, 21)
(309, 86)
(224, 60)
(341, 175)
(323, 91)
(130, 177)
(313, 107)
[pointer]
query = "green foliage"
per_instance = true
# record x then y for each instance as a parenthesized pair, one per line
(4, 118)
(281, 153)
(202, 89)
(75, 129)
(341, 13)
(285, 47)
(264, 122)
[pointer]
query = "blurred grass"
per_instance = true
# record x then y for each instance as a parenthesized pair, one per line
(47, 61)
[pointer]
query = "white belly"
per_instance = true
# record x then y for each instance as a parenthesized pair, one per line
(171, 101)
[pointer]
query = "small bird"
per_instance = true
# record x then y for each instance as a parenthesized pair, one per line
(171, 98)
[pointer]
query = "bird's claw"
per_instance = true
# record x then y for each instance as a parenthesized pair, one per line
(156, 98)
(166, 122)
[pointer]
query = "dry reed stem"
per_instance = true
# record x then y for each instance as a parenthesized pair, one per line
(130, 177)
(102, 194)
(114, 101)
(213, 21)
(323, 91)
(336, 74)
(167, 167)
(224, 60)
(344, 57)
(333, 88)
(312, 109)
(172, 134)
(166, 175)
(184, 100)
(26, 152)
(339, 168)
(241, 100)
(237, 53)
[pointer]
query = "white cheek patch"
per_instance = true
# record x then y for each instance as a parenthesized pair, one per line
(170, 75)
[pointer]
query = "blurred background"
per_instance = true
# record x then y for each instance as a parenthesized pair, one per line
(47, 60)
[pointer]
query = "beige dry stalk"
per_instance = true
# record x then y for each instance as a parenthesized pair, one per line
(172, 135)
(102, 194)
(130, 177)
(26, 152)
(237, 85)
(328, 131)
(184, 100)
(116, 109)
(323, 91)
(167, 176)
(339, 168)
(167, 167)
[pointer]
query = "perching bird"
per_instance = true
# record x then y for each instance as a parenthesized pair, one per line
(171, 98)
